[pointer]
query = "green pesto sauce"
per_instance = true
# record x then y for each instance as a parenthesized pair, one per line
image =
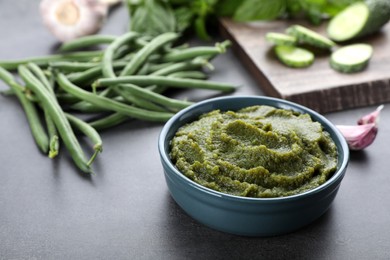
(258, 151)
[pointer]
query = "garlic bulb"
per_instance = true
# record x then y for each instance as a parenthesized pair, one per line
(362, 135)
(70, 19)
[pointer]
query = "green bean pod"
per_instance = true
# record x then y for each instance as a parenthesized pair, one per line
(107, 67)
(73, 66)
(191, 74)
(86, 107)
(41, 76)
(138, 101)
(177, 67)
(142, 55)
(194, 52)
(54, 144)
(86, 41)
(101, 101)
(91, 74)
(61, 122)
(165, 81)
(43, 61)
(7, 92)
(37, 130)
(88, 131)
(109, 121)
(155, 97)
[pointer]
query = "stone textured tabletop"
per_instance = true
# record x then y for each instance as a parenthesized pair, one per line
(50, 211)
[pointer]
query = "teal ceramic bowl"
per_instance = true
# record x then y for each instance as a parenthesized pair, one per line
(242, 215)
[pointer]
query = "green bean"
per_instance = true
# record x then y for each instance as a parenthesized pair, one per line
(66, 98)
(54, 146)
(192, 74)
(86, 76)
(7, 92)
(139, 101)
(178, 67)
(196, 52)
(142, 41)
(175, 71)
(61, 122)
(144, 69)
(89, 75)
(111, 104)
(54, 143)
(166, 81)
(158, 66)
(107, 67)
(71, 66)
(51, 128)
(136, 61)
(155, 97)
(41, 76)
(183, 46)
(37, 130)
(43, 61)
(108, 121)
(86, 41)
(87, 107)
(9, 79)
(141, 56)
(122, 53)
(88, 131)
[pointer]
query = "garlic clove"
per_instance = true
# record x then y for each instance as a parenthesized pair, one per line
(372, 117)
(70, 19)
(359, 137)
(364, 133)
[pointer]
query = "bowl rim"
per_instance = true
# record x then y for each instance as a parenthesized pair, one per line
(290, 105)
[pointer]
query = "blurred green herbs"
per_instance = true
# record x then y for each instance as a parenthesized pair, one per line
(154, 17)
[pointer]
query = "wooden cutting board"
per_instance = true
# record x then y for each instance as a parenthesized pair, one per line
(318, 87)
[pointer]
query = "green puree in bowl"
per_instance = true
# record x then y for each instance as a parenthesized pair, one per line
(258, 151)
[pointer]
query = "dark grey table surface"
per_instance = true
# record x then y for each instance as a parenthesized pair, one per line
(49, 211)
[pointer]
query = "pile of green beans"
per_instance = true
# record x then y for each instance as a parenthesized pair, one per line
(125, 79)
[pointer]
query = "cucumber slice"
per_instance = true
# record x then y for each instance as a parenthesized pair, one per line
(280, 38)
(305, 35)
(351, 58)
(359, 19)
(294, 57)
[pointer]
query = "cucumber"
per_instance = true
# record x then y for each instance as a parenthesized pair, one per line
(280, 38)
(294, 57)
(359, 19)
(310, 37)
(351, 58)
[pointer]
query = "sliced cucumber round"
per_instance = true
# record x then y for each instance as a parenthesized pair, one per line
(359, 19)
(351, 58)
(294, 56)
(280, 38)
(310, 37)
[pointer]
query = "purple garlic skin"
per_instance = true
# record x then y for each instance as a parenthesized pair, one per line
(364, 133)
(372, 117)
(359, 136)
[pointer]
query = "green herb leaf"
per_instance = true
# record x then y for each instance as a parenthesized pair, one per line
(184, 18)
(251, 10)
(227, 7)
(153, 18)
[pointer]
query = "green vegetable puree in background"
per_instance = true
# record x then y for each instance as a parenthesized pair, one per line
(258, 151)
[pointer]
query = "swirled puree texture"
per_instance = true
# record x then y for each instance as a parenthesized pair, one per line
(258, 151)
